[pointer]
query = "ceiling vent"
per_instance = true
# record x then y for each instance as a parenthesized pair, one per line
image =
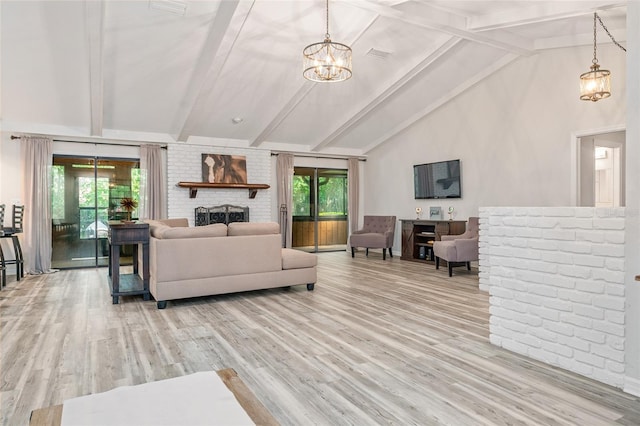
(172, 6)
(378, 54)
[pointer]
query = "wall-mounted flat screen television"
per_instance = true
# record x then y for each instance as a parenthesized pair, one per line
(437, 180)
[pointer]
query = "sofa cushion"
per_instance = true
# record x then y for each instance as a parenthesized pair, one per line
(182, 221)
(196, 258)
(296, 259)
(253, 228)
(157, 229)
(213, 230)
(158, 226)
(369, 239)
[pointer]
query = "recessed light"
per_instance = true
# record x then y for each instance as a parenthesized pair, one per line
(378, 54)
(172, 6)
(237, 120)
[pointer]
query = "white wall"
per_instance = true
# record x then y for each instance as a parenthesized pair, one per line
(632, 230)
(512, 134)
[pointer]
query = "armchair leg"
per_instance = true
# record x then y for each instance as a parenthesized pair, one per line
(450, 268)
(353, 251)
(367, 254)
(384, 254)
(390, 252)
(468, 266)
(437, 262)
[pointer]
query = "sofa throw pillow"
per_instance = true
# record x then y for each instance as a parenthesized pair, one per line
(253, 228)
(214, 230)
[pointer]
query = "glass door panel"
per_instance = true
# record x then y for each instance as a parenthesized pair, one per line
(331, 222)
(319, 209)
(303, 234)
(86, 194)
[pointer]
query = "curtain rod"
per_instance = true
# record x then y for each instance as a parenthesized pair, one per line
(330, 157)
(92, 142)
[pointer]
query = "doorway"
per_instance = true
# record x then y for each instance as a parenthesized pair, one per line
(85, 196)
(601, 162)
(319, 209)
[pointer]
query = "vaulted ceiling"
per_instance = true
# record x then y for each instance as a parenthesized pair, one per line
(177, 70)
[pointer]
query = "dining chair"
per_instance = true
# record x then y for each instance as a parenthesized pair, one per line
(17, 221)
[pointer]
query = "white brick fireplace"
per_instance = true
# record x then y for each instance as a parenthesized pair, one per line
(184, 165)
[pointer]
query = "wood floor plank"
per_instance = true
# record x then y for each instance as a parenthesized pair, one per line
(377, 342)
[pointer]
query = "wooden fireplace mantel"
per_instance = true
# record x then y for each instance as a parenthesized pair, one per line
(194, 186)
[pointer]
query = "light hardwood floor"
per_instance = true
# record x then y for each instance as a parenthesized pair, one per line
(377, 342)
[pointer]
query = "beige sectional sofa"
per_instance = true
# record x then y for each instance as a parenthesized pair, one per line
(215, 259)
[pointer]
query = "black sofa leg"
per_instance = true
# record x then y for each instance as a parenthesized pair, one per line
(468, 266)
(353, 252)
(390, 252)
(162, 304)
(437, 262)
(310, 287)
(367, 252)
(384, 254)
(450, 269)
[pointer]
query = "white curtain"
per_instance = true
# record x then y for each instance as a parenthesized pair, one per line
(37, 158)
(354, 195)
(153, 183)
(284, 176)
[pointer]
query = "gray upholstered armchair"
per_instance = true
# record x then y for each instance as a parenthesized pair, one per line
(458, 250)
(377, 232)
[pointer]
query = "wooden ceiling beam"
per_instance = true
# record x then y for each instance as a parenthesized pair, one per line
(514, 45)
(537, 14)
(427, 61)
(507, 59)
(298, 97)
(223, 33)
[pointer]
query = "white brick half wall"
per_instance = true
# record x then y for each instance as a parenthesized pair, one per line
(184, 165)
(555, 277)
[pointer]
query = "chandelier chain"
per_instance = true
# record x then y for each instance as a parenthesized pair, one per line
(595, 58)
(327, 33)
(607, 31)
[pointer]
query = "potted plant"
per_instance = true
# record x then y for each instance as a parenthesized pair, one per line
(129, 205)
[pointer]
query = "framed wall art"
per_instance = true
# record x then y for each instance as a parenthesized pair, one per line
(220, 168)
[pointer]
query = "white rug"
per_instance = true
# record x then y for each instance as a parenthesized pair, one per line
(196, 399)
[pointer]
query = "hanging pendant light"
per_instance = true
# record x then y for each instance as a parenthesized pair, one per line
(595, 84)
(327, 61)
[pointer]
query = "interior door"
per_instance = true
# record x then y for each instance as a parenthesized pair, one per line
(601, 169)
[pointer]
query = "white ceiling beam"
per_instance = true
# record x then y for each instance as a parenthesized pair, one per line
(298, 97)
(515, 45)
(537, 13)
(223, 33)
(94, 19)
(505, 60)
(578, 40)
(393, 88)
(284, 112)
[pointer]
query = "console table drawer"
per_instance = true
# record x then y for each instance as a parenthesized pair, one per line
(128, 233)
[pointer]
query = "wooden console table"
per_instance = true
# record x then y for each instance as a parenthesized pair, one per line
(129, 284)
(421, 233)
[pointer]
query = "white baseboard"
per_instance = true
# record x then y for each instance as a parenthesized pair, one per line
(632, 385)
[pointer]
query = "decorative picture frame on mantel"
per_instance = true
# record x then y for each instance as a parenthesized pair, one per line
(435, 213)
(220, 168)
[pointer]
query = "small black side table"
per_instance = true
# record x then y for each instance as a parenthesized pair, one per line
(120, 234)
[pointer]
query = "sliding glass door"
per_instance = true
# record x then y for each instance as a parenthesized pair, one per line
(319, 209)
(86, 194)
